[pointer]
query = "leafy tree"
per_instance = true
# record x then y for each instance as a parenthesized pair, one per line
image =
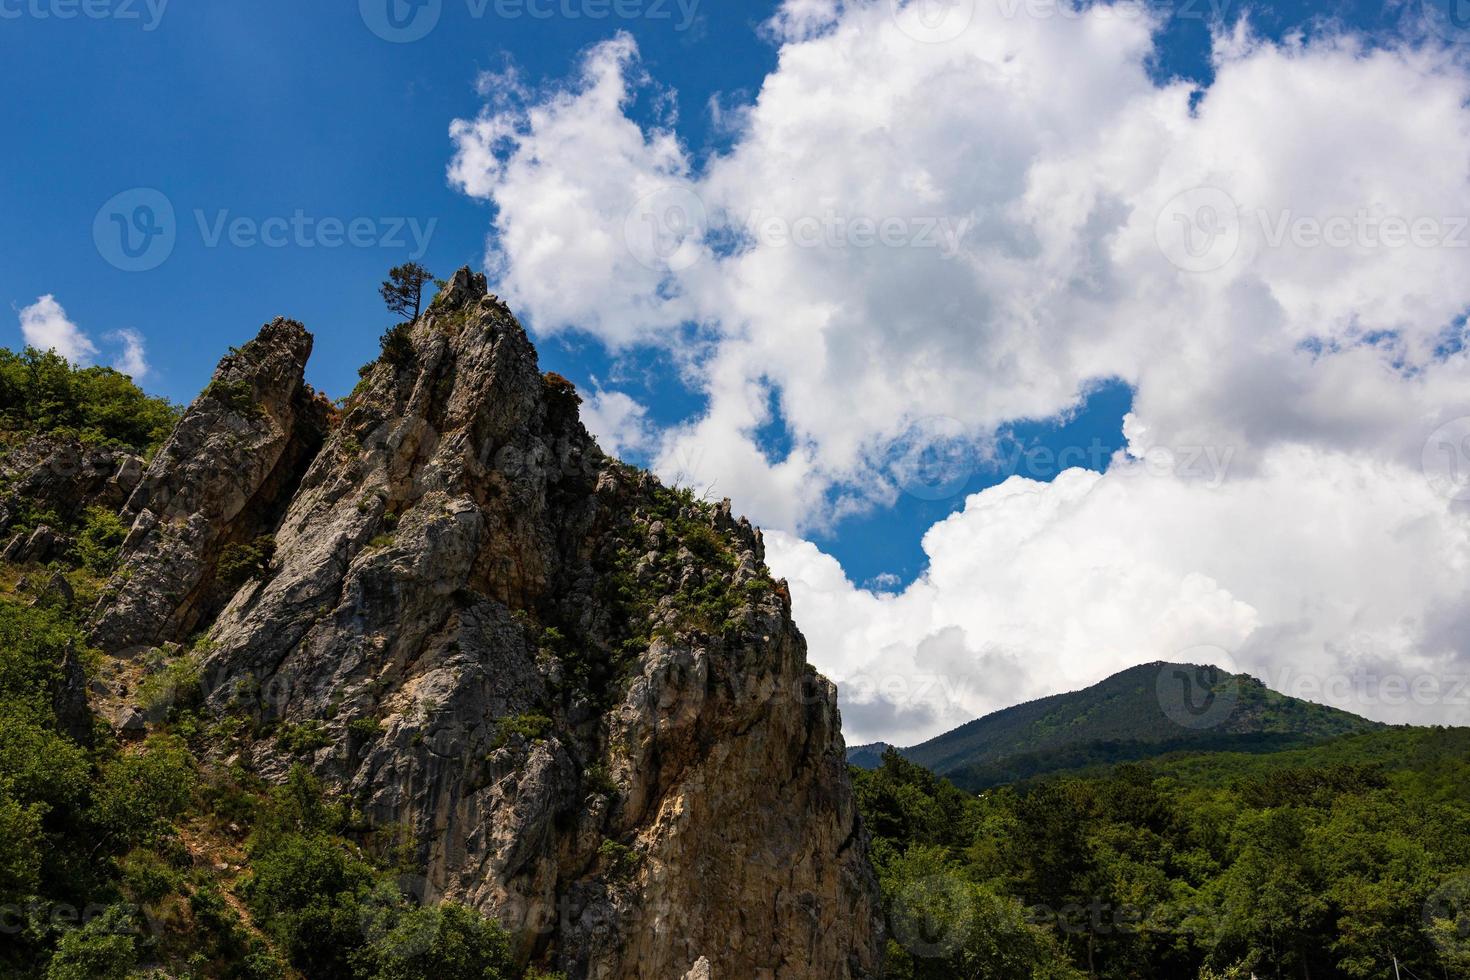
(447, 942)
(403, 290)
(102, 949)
(139, 794)
(41, 392)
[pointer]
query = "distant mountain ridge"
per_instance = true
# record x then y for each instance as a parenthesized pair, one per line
(1139, 713)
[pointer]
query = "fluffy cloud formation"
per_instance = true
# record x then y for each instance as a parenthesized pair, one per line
(918, 222)
(132, 358)
(1328, 576)
(619, 423)
(45, 326)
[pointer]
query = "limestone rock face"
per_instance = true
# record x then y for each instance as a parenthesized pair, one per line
(63, 475)
(220, 478)
(579, 691)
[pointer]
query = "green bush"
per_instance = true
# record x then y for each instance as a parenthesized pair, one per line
(366, 728)
(101, 536)
(445, 942)
(34, 645)
(138, 795)
(301, 739)
(174, 689)
(397, 344)
(529, 726)
(238, 396)
(100, 950)
(239, 562)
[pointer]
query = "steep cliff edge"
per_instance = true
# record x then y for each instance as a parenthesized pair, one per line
(578, 692)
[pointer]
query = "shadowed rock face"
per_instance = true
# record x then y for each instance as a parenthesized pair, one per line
(579, 691)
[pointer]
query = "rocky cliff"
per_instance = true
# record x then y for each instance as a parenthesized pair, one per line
(578, 692)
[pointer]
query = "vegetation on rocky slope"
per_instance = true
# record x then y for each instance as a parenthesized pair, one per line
(127, 859)
(437, 646)
(124, 858)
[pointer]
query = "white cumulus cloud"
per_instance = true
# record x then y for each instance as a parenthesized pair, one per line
(45, 326)
(977, 230)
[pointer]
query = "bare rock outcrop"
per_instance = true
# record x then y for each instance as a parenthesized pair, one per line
(63, 475)
(221, 477)
(577, 690)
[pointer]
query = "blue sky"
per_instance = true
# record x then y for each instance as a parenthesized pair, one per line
(271, 108)
(293, 114)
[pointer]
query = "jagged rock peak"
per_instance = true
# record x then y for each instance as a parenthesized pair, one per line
(578, 692)
(465, 288)
(220, 478)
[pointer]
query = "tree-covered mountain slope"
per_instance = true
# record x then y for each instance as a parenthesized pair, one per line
(1139, 713)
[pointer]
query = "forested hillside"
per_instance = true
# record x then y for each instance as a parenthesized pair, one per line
(1139, 713)
(1326, 862)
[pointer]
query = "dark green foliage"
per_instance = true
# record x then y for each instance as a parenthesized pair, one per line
(403, 290)
(172, 689)
(102, 949)
(365, 728)
(41, 392)
(397, 343)
(239, 562)
(529, 727)
(618, 860)
(336, 916)
(562, 399)
(101, 536)
(139, 794)
(1323, 861)
(303, 738)
(445, 942)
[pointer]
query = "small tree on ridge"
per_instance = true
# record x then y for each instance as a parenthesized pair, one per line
(403, 290)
